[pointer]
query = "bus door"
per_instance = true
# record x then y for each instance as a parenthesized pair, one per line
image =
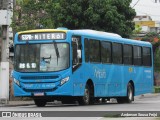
(77, 70)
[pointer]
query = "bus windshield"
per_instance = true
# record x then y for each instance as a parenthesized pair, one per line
(41, 57)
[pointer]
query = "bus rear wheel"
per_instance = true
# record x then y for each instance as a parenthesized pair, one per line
(130, 95)
(85, 100)
(40, 102)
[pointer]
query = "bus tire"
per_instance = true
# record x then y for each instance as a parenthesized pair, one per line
(40, 102)
(85, 100)
(130, 96)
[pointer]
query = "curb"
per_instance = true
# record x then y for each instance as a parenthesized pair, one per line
(150, 95)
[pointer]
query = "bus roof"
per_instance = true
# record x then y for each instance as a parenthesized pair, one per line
(42, 30)
(93, 33)
(109, 36)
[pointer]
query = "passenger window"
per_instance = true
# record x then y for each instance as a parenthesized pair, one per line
(94, 51)
(137, 55)
(106, 52)
(86, 45)
(127, 54)
(117, 53)
(76, 51)
(147, 61)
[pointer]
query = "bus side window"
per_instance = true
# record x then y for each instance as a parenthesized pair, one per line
(147, 61)
(94, 51)
(76, 51)
(86, 45)
(117, 53)
(127, 54)
(137, 55)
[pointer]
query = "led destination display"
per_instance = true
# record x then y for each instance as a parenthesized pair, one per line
(43, 36)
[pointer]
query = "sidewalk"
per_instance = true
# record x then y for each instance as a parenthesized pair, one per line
(149, 95)
(17, 103)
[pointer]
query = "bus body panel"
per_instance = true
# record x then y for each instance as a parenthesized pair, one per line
(109, 80)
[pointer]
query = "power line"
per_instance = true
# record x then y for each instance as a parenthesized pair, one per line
(135, 3)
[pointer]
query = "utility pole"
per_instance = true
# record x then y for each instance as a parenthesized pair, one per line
(4, 66)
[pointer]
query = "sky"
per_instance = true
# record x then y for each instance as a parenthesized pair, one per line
(147, 7)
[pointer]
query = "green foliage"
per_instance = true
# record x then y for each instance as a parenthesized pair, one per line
(154, 38)
(28, 14)
(157, 89)
(105, 15)
(137, 29)
(157, 60)
(150, 37)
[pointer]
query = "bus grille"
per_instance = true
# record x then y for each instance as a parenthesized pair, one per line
(38, 77)
(40, 90)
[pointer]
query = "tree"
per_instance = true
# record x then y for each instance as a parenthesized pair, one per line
(106, 15)
(29, 14)
(154, 38)
(157, 60)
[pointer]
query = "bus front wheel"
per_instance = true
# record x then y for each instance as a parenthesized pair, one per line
(40, 102)
(85, 100)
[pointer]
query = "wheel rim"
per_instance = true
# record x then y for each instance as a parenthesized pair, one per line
(130, 93)
(86, 96)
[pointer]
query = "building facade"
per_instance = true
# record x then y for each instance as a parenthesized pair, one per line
(147, 24)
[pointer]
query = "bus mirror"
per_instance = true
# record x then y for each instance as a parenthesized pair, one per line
(79, 54)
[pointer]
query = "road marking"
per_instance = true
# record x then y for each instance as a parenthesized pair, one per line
(99, 118)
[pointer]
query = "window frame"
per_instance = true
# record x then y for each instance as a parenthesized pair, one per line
(150, 65)
(87, 56)
(127, 56)
(121, 53)
(101, 42)
(141, 55)
(90, 40)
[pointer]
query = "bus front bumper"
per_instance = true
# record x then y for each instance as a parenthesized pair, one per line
(50, 89)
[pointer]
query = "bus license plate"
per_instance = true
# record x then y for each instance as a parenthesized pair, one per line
(39, 94)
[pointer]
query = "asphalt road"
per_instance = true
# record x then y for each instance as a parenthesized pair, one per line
(149, 102)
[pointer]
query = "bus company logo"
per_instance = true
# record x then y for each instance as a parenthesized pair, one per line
(99, 73)
(130, 69)
(6, 114)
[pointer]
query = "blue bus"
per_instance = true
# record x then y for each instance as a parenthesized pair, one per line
(80, 65)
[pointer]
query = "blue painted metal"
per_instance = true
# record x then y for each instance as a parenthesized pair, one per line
(109, 80)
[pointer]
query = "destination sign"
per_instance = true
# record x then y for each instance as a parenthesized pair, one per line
(42, 36)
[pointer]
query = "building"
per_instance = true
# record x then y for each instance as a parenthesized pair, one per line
(147, 24)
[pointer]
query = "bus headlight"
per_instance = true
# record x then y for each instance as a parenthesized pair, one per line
(17, 82)
(64, 80)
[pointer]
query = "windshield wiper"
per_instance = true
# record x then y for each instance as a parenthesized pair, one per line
(57, 51)
(46, 58)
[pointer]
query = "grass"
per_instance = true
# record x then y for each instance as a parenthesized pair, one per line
(157, 89)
